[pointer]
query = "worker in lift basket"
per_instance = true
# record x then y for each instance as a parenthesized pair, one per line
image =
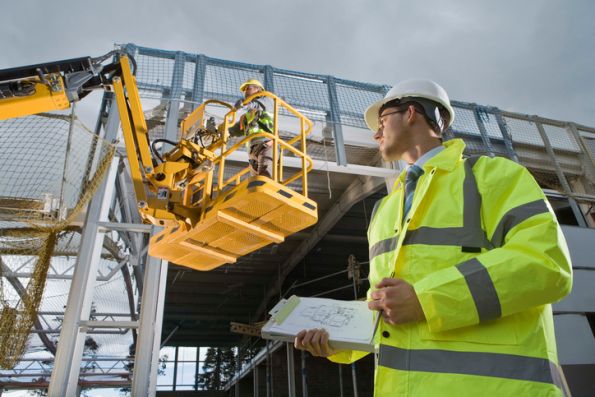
(466, 257)
(258, 118)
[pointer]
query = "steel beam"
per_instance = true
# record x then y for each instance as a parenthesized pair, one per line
(304, 375)
(506, 135)
(144, 381)
(255, 390)
(335, 119)
(290, 370)
(482, 129)
(173, 113)
(199, 79)
(320, 165)
(269, 82)
(64, 380)
(578, 214)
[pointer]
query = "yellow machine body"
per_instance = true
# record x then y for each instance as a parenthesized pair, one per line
(43, 97)
(208, 220)
(254, 214)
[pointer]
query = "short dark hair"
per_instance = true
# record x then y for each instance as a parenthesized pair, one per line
(418, 104)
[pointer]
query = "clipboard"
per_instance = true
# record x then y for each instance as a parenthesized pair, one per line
(350, 324)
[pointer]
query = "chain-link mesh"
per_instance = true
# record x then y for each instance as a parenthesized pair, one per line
(485, 129)
(50, 167)
(589, 142)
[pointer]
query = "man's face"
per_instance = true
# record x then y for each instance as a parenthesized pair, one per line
(391, 133)
(250, 90)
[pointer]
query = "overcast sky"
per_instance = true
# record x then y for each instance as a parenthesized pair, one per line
(534, 56)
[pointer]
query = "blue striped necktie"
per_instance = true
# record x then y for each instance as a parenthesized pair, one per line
(413, 174)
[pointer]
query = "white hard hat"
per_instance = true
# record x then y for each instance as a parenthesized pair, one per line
(422, 89)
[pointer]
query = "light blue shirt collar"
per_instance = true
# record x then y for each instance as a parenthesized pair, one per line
(428, 155)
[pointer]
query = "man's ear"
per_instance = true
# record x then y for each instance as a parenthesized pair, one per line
(411, 115)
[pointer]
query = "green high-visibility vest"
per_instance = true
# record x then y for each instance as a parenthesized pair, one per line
(486, 257)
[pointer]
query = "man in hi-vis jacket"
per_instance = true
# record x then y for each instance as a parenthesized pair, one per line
(466, 257)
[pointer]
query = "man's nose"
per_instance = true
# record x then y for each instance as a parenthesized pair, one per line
(378, 134)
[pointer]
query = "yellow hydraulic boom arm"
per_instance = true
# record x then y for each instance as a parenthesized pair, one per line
(208, 220)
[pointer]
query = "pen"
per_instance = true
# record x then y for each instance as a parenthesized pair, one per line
(377, 322)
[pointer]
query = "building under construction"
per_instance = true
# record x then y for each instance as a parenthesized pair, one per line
(84, 304)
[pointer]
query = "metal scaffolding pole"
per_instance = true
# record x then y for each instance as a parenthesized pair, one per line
(171, 122)
(144, 381)
(354, 378)
(478, 111)
(237, 388)
(290, 370)
(269, 375)
(64, 380)
(335, 119)
(255, 382)
(304, 379)
(560, 174)
(340, 380)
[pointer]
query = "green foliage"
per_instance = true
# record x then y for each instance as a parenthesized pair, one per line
(219, 367)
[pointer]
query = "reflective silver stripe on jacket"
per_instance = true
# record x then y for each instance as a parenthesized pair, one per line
(383, 246)
(458, 236)
(507, 366)
(470, 235)
(516, 216)
(482, 289)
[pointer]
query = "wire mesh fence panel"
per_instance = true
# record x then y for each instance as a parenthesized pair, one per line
(189, 75)
(490, 123)
(465, 126)
(588, 139)
(561, 139)
(154, 76)
(51, 167)
(464, 122)
(33, 155)
(362, 155)
(484, 129)
(223, 83)
(524, 132)
(302, 92)
(353, 102)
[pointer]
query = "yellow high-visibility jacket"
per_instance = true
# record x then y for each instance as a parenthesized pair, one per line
(484, 252)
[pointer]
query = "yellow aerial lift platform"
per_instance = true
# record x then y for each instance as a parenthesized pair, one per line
(208, 220)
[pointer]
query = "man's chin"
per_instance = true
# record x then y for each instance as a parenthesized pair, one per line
(387, 156)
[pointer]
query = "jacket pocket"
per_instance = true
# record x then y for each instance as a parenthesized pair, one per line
(502, 331)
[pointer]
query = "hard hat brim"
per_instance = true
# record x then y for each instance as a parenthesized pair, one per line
(371, 113)
(251, 82)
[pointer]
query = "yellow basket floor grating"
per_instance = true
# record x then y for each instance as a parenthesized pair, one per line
(248, 217)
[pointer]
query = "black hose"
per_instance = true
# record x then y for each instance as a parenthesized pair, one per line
(100, 59)
(154, 150)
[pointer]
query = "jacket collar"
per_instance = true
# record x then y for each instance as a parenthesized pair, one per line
(445, 160)
(449, 157)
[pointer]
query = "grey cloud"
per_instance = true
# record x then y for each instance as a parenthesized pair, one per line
(532, 57)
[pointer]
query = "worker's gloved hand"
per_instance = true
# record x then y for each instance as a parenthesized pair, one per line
(315, 341)
(238, 104)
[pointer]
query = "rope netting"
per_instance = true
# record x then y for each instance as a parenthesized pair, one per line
(50, 167)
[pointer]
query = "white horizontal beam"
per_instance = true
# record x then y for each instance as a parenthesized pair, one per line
(109, 324)
(319, 165)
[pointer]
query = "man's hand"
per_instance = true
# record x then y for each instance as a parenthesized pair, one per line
(314, 341)
(238, 104)
(397, 300)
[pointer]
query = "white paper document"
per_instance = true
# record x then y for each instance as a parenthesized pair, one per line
(350, 324)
